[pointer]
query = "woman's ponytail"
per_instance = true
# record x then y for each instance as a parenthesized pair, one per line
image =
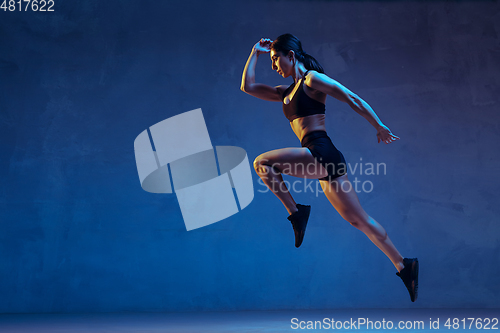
(310, 62)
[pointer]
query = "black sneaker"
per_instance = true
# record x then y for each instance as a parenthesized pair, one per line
(409, 275)
(299, 222)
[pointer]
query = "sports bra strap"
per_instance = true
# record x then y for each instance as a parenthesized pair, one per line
(304, 77)
(305, 74)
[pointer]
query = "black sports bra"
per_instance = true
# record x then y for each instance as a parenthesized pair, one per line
(301, 105)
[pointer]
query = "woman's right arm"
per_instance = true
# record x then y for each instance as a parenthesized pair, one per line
(248, 84)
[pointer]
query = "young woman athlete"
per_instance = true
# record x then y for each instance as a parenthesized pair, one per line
(304, 106)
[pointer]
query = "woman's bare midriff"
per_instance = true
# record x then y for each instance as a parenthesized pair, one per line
(302, 126)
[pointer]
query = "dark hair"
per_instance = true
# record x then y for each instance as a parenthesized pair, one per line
(288, 42)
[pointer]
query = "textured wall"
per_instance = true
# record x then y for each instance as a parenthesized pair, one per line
(77, 232)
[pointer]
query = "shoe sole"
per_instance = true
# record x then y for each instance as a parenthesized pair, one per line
(303, 233)
(414, 278)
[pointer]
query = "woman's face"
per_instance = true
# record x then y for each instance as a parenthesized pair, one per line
(281, 63)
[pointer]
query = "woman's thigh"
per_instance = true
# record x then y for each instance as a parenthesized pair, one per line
(297, 162)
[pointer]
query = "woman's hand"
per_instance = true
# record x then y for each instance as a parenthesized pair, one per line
(384, 134)
(263, 46)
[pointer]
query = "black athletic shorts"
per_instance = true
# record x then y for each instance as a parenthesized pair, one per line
(325, 153)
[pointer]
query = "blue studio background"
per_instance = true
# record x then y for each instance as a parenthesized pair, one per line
(78, 234)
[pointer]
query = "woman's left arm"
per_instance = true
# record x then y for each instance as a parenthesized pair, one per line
(324, 83)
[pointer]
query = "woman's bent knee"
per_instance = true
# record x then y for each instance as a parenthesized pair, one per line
(263, 165)
(259, 163)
